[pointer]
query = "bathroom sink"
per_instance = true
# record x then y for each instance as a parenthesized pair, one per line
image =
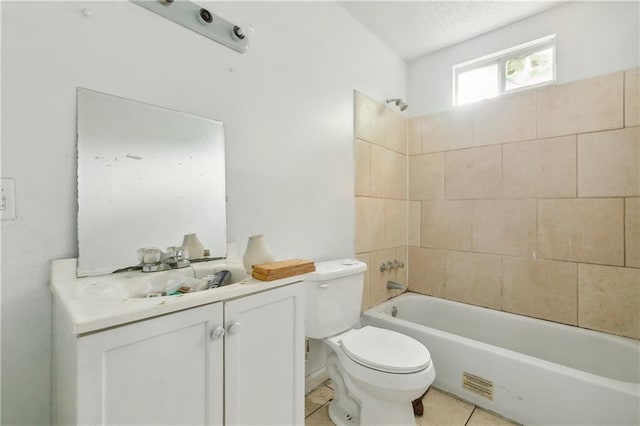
(138, 285)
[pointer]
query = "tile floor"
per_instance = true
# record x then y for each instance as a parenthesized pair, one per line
(440, 409)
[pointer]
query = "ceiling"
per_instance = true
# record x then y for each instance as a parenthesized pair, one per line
(416, 28)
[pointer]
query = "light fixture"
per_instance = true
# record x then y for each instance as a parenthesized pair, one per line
(399, 103)
(202, 21)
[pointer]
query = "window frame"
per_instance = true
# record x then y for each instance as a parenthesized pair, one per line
(500, 59)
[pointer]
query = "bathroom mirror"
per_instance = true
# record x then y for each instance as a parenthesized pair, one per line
(146, 177)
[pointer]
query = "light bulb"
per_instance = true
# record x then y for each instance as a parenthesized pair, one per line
(242, 33)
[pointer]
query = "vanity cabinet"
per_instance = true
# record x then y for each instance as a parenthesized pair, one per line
(236, 362)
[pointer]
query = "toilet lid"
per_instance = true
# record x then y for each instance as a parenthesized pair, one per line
(386, 350)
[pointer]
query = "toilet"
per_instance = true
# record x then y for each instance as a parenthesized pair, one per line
(376, 372)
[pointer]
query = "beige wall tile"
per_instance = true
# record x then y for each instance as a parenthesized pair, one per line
(602, 232)
(369, 224)
(632, 232)
(544, 168)
(369, 119)
(632, 97)
(401, 177)
(415, 135)
(582, 106)
(441, 409)
(447, 224)
(506, 119)
(583, 230)
(474, 278)
(378, 291)
(383, 170)
(363, 167)
(414, 223)
(541, 289)
(447, 130)
(395, 131)
(609, 299)
(402, 273)
(395, 223)
(559, 229)
(366, 258)
(474, 173)
(388, 173)
(609, 163)
(426, 176)
(504, 227)
(426, 270)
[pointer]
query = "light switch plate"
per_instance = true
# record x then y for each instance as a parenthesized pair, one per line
(7, 199)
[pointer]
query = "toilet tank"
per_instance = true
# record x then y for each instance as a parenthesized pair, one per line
(333, 297)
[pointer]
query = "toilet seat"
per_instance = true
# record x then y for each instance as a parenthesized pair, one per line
(385, 350)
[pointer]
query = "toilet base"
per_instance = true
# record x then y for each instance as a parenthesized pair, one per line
(386, 413)
(374, 413)
(340, 417)
(353, 405)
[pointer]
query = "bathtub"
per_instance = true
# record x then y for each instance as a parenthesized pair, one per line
(532, 371)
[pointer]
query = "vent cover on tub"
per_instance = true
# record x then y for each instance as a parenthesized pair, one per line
(477, 384)
(386, 350)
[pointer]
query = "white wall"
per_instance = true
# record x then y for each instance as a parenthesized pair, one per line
(592, 38)
(287, 106)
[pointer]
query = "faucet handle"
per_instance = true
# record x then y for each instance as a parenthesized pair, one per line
(397, 264)
(386, 266)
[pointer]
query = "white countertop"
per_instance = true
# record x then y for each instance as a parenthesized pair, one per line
(95, 303)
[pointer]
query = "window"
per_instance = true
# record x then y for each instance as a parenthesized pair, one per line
(525, 66)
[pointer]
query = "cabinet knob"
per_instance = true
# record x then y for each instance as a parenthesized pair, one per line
(217, 333)
(235, 328)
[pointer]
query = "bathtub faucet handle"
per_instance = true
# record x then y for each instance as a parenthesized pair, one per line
(397, 264)
(387, 266)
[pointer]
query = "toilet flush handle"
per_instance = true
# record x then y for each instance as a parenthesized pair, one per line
(323, 285)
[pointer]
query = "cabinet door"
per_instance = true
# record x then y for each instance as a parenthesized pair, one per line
(162, 371)
(264, 358)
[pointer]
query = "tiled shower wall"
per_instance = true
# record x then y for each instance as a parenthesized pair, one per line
(528, 203)
(381, 195)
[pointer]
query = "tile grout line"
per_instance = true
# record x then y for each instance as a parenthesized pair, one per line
(502, 301)
(535, 249)
(577, 137)
(322, 405)
(624, 231)
(470, 415)
(370, 167)
(624, 99)
(577, 294)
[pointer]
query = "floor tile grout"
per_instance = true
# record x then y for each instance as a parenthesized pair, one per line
(447, 394)
(470, 415)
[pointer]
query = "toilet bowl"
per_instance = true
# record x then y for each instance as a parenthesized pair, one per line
(382, 371)
(377, 373)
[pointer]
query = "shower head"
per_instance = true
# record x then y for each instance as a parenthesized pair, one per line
(399, 103)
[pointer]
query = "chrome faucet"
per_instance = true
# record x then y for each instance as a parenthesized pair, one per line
(153, 259)
(392, 285)
(391, 266)
(176, 257)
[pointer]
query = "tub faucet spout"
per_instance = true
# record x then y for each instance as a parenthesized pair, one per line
(392, 285)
